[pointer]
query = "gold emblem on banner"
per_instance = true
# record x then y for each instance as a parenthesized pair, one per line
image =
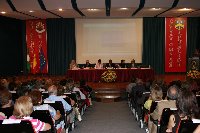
(179, 24)
(40, 27)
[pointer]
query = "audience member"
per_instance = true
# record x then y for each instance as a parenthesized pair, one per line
(172, 95)
(4, 82)
(156, 95)
(187, 109)
(131, 85)
(22, 110)
(36, 97)
(99, 65)
(73, 65)
(52, 90)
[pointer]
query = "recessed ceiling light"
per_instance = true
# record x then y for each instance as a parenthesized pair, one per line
(185, 9)
(31, 11)
(92, 9)
(60, 9)
(155, 8)
(3, 12)
(124, 8)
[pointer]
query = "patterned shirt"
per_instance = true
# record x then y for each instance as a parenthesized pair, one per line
(52, 111)
(37, 124)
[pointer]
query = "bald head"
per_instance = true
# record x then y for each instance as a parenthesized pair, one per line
(52, 90)
(172, 92)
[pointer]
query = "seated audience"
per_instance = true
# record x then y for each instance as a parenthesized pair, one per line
(131, 85)
(187, 110)
(36, 97)
(52, 90)
(156, 95)
(6, 103)
(22, 110)
(4, 82)
(172, 95)
(73, 65)
(99, 65)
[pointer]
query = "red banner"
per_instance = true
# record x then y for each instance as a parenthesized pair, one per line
(175, 44)
(36, 39)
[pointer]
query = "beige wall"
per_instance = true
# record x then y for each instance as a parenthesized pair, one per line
(106, 39)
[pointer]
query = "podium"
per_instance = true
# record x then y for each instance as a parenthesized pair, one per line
(193, 64)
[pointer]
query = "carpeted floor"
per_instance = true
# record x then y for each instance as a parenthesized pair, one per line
(108, 118)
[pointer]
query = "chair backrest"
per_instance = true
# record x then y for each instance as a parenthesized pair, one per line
(7, 111)
(57, 105)
(187, 126)
(167, 112)
(153, 106)
(23, 127)
(44, 116)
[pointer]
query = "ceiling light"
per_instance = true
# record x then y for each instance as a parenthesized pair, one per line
(31, 11)
(185, 9)
(124, 8)
(155, 8)
(60, 9)
(92, 9)
(3, 12)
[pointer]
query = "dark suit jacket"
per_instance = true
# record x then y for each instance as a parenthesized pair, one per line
(110, 65)
(88, 65)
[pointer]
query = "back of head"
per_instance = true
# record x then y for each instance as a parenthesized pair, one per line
(172, 92)
(5, 97)
(187, 104)
(23, 107)
(156, 93)
(36, 97)
(52, 90)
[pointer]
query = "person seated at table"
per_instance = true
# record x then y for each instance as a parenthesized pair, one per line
(122, 64)
(73, 65)
(87, 64)
(99, 65)
(132, 65)
(110, 64)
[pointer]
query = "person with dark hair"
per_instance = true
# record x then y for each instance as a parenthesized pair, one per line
(23, 90)
(36, 97)
(87, 64)
(172, 95)
(6, 103)
(122, 64)
(110, 64)
(187, 109)
(99, 65)
(73, 65)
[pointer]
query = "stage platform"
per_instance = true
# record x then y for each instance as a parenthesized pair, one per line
(109, 92)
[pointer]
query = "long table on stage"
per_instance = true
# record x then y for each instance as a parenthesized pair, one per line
(123, 75)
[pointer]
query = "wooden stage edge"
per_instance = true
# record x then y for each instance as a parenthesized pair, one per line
(122, 85)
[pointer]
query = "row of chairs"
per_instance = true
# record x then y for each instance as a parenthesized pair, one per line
(142, 115)
(44, 115)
